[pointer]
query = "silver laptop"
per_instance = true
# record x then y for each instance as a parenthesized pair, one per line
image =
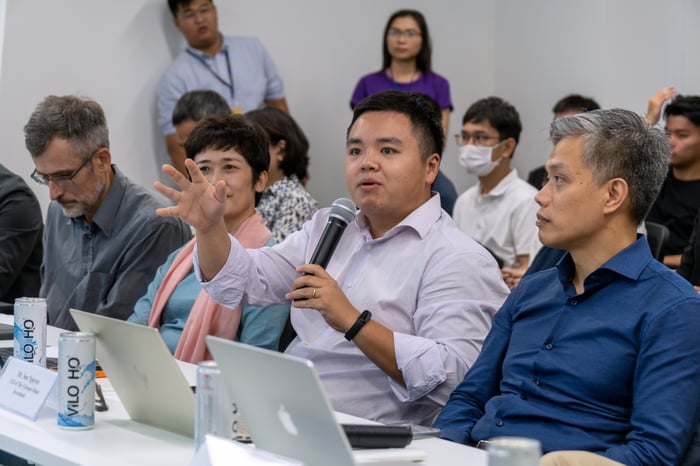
(142, 371)
(286, 411)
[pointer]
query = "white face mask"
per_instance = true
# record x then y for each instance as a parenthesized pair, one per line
(477, 159)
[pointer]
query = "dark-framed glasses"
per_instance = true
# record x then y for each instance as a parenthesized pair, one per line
(479, 139)
(203, 10)
(408, 33)
(60, 180)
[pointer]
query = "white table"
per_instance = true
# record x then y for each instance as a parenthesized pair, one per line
(117, 440)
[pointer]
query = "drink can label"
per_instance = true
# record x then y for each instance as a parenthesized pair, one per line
(30, 330)
(76, 380)
(215, 413)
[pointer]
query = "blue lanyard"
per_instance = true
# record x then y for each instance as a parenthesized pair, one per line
(397, 86)
(228, 83)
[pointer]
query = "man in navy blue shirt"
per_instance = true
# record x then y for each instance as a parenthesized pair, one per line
(599, 354)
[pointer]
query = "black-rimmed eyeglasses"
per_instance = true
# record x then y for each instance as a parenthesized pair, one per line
(60, 180)
(479, 139)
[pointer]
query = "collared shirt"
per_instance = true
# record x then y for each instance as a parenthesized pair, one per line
(104, 267)
(21, 228)
(285, 206)
(503, 219)
(433, 286)
(254, 76)
(614, 370)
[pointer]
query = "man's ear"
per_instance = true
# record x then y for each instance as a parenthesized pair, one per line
(508, 148)
(432, 165)
(104, 158)
(617, 192)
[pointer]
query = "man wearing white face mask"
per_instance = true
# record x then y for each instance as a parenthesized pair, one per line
(499, 211)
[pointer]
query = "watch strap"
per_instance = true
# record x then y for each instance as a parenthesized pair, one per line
(359, 323)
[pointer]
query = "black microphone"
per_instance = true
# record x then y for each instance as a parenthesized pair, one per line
(341, 214)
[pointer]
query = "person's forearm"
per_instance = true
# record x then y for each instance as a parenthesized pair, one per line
(672, 261)
(213, 247)
(445, 120)
(377, 342)
(278, 103)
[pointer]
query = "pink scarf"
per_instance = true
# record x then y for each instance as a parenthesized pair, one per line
(206, 317)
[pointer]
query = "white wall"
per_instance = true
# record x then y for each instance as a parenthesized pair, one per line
(530, 53)
(116, 51)
(618, 52)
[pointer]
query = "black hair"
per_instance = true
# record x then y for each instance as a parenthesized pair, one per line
(423, 60)
(685, 105)
(280, 126)
(421, 110)
(196, 105)
(232, 132)
(498, 113)
(575, 103)
(174, 4)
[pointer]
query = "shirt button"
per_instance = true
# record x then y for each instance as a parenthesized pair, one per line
(349, 284)
(573, 302)
(537, 381)
(369, 247)
(499, 422)
(548, 346)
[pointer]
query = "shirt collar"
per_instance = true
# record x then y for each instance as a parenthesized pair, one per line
(420, 220)
(107, 211)
(628, 263)
(199, 53)
(503, 185)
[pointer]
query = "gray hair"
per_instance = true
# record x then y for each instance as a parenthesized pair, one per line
(198, 105)
(78, 120)
(618, 143)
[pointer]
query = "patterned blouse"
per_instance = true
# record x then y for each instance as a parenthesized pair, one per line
(285, 206)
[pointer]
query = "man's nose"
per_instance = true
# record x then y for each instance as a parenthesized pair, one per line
(55, 191)
(369, 159)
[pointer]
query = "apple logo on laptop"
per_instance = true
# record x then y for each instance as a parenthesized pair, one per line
(286, 420)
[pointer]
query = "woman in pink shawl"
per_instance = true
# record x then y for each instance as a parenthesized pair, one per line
(233, 149)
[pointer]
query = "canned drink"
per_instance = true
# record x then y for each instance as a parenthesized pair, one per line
(514, 451)
(215, 414)
(30, 330)
(76, 380)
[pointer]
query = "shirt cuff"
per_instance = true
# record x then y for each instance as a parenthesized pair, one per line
(421, 363)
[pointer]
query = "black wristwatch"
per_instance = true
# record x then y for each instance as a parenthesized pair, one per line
(359, 323)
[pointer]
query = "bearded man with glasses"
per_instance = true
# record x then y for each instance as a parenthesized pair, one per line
(102, 241)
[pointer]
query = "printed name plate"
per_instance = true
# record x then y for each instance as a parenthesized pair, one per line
(24, 387)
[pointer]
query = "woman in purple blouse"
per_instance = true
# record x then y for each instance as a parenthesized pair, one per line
(407, 64)
(406, 67)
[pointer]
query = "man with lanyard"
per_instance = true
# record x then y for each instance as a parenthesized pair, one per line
(238, 68)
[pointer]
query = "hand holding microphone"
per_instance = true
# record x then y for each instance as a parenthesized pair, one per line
(341, 214)
(316, 286)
